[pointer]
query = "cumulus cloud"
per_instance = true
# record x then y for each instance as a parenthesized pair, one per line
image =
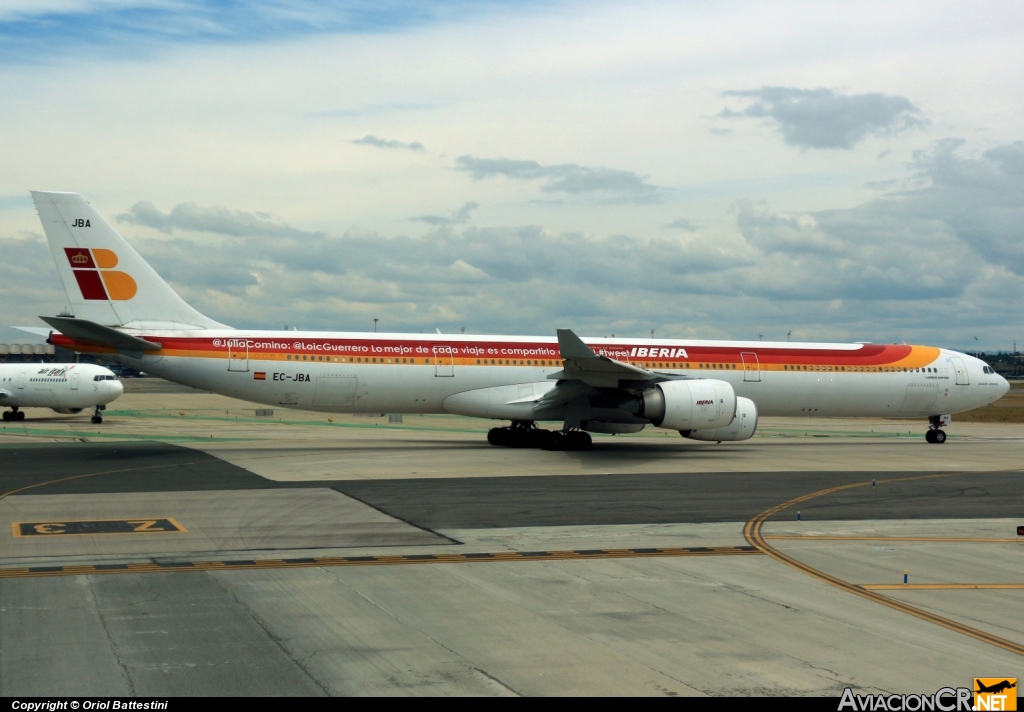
(820, 118)
(29, 284)
(564, 178)
(509, 279)
(370, 140)
(190, 216)
(980, 200)
(457, 217)
(927, 264)
(936, 256)
(682, 224)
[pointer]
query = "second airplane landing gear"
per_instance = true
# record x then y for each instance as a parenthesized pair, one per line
(528, 435)
(13, 414)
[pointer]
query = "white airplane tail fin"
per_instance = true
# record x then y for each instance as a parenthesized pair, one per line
(106, 280)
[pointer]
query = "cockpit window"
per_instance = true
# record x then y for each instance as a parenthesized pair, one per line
(104, 378)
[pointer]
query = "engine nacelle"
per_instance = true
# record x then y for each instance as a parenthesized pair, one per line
(686, 405)
(742, 426)
(67, 411)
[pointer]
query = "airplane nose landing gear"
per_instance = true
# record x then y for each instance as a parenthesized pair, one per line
(96, 417)
(936, 435)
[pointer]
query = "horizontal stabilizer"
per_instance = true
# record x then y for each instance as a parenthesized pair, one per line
(37, 330)
(89, 332)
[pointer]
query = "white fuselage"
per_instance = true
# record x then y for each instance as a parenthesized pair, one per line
(69, 386)
(481, 375)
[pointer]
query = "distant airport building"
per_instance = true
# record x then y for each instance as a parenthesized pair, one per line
(48, 353)
(29, 353)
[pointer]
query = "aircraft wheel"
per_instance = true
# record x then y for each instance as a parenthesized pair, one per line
(7, 415)
(97, 419)
(518, 437)
(940, 437)
(496, 436)
(580, 440)
(540, 438)
(20, 415)
(556, 441)
(929, 436)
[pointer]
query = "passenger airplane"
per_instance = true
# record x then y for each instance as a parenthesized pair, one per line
(67, 388)
(706, 390)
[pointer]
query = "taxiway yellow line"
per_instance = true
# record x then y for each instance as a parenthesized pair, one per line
(941, 539)
(752, 532)
(942, 586)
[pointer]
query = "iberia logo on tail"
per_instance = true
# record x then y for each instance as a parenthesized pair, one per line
(96, 276)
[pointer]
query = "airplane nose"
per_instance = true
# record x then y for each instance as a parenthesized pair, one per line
(1004, 386)
(116, 388)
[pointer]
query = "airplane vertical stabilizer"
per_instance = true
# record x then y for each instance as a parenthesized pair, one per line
(106, 280)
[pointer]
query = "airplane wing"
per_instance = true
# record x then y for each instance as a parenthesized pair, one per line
(582, 364)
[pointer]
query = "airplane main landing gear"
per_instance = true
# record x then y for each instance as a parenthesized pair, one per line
(13, 414)
(519, 434)
(571, 440)
(528, 435)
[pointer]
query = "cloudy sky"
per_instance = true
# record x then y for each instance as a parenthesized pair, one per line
(848, 171)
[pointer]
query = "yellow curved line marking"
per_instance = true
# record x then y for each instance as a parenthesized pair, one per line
(942, 586)
(752, 533)
(939, 539)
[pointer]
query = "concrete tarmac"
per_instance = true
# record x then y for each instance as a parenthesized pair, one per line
(386, 616)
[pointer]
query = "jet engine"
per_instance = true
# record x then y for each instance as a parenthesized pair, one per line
(67, 411)
(686, 405)
(742, 426)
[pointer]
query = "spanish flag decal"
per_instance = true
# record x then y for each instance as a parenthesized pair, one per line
(259, 376)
